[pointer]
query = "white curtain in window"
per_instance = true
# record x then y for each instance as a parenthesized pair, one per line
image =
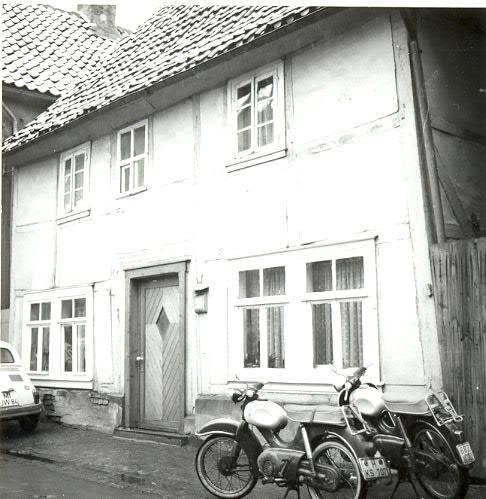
(322, 331)
(352, 333)
(275, 335)
(350, 273)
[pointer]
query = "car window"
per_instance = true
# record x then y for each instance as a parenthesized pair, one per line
(6, 356)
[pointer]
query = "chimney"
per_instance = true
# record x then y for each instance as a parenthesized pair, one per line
(103, 19)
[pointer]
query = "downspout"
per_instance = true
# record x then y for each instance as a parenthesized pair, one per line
(15, 122)
(425, 126)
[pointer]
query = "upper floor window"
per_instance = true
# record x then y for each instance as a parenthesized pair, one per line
(132, 157)
(74, 186)
(257, 113)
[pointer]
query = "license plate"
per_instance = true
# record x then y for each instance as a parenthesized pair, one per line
(374, 467)
(465, 453)
(9, 399)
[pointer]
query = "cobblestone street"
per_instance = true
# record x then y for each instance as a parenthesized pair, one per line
(147, 468)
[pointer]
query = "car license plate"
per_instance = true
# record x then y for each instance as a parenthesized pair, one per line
(9, 399)
(465, 453)
(374, 467)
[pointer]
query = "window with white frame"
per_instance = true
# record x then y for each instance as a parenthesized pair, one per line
(335, 293)
(132, 157)
(257, 115)
(40, 327)
(57, 338)
(73, 334)
(299, 311)
(261, 292)
(74, 180)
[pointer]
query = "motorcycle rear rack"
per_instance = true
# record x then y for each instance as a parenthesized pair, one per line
(442, 409)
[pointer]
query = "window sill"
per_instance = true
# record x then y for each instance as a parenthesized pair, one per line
(44, 382)
(69, 217)
(255, 159)
(131, 193)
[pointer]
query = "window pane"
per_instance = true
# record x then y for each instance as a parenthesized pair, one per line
(139, 141)
(249, 283)
(67, 168)
(67, 184)
(78, 197)
(265, 111)
(80, 307)
(34, 332)
(81, 348)
(265, 135)
(275, 332)
(243, 118)
(244, 140)
(140, 172)
(350, 273)
(79, 180)
(243, 96)
(274, 281)
(46, 311)
(68, 348)
(34, 311)
(125, 178)
(265, 88)
(79, 162)
(67, 201)
(66, 309)
(352, 333)
(319, 276)
(322, 333)
(251, 332)
(45, 349)
(125, 145)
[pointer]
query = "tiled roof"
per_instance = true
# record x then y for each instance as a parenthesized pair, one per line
(174, 40)
(46, 49)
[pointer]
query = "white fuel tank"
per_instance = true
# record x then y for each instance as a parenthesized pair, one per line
(266, 415)
(368, 400)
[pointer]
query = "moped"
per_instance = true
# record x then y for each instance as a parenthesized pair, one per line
(421, 437)
(327, 454)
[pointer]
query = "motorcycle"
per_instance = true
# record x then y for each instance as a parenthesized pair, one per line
(422, 439)
(327, 455)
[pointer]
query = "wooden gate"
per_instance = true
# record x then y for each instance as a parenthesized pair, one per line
(459, 273)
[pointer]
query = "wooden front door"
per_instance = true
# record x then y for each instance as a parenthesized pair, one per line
(160, 359)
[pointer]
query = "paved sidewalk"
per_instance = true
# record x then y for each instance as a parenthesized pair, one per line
(161, 470)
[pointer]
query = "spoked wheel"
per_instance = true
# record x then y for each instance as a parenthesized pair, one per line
(224, 468)
(350, 483)
(437, 470)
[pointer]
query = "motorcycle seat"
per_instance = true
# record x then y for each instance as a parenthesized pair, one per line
(322, 413)
(419, 407)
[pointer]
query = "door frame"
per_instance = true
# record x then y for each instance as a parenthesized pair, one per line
(133, 279)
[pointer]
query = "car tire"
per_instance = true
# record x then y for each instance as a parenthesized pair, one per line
(29, 423)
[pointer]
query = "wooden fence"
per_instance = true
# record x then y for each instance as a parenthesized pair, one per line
(459, 274)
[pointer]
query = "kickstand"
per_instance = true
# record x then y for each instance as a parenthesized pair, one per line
(410, 480)
(297, 489)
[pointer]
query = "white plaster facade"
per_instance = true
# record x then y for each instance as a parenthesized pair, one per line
(348, 179)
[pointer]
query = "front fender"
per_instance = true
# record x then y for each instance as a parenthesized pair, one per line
(222, 426)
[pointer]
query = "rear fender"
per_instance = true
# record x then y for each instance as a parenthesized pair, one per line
(356, 443)
(448, 433)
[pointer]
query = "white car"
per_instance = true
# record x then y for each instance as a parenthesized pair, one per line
(18, 397)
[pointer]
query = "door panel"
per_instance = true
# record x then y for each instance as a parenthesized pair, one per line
(162, 347)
